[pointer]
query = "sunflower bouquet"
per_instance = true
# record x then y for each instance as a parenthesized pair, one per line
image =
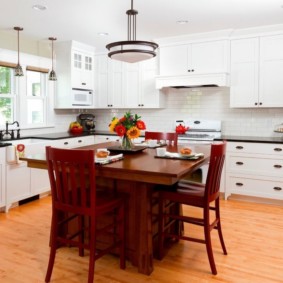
(128, 127)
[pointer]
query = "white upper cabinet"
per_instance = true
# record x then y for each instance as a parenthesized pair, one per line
(271, 70)
(109, 83)
(75, 70)
(82, 69)
(194, 58)
(126, 85)
(256, 68)
(146, 95)
(244, 72)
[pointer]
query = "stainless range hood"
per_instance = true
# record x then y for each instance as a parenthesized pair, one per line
(193, 81)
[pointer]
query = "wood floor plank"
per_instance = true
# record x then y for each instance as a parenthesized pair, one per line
(252, 232)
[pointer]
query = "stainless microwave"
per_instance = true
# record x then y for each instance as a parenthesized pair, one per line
(82, 97)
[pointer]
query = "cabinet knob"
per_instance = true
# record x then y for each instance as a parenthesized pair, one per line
(277, 166)
(79, 141)
(239, 147)
(277, 149)
(83, 83)
(65, 143)
(239, 184)
(255, 103)
(240, 163)
(260, 103)
(277, 189)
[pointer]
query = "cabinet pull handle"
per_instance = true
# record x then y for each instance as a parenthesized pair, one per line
(277, 166)
(66, 143)
(240, 163)
(239, 147)
(277, 149)
(239, 184)
(277, 189)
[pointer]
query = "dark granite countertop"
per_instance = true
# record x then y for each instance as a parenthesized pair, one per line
(57, 136)
(251, 139)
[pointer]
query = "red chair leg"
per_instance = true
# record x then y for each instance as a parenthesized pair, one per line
(53, 247)
(217, 211)
(208, 242)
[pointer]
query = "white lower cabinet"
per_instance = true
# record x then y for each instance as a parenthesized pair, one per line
(2, 177)
(18, 183)
(254, 169)
(105, 138)
(23, 182)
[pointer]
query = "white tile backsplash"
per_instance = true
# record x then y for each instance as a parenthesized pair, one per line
(204, 103)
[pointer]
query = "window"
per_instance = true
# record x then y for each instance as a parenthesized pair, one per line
(36, 97)
(7, 95)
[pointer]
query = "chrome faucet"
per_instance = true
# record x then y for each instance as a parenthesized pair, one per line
(11, 133)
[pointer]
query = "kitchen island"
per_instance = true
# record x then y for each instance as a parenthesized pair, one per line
(137, 175)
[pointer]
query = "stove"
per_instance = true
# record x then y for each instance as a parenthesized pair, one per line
(199, 130)
(199, 137)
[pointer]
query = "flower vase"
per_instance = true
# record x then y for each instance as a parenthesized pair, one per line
(127, 143)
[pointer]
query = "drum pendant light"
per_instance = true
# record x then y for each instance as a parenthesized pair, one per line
(133, 50)
(18, 69)
(52, 75)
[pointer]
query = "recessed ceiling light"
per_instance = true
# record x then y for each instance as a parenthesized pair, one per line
(103, 33)
(182, 22)
(39, 7)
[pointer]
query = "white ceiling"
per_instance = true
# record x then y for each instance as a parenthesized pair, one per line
(82, 20)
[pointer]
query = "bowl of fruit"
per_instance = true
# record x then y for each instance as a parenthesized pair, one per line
(75, 128)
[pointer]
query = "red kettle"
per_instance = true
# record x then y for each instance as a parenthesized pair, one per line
(180, 129)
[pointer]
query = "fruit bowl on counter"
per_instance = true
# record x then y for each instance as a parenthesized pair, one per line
(75, 128)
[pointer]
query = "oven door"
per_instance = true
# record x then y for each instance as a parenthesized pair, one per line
(200, 174)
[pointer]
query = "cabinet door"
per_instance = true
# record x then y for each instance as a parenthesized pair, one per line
(39, 181)
(173, 60)
(271, 70)
(133, 84)
(244, 73)
(17, 182)
(110, 85)
(208, 57)
(101, 82)
(116, 84)
(82, 70)
(2, 184)
(150, 97)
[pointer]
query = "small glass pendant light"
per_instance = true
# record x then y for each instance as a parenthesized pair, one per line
(52, 75)
(18, 69)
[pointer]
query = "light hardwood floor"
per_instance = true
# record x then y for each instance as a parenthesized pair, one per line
(253, 234)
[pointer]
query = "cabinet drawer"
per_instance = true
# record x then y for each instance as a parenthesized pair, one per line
(256, 148)
(255, 166)
(260, 187)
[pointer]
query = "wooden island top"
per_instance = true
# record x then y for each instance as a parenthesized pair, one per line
(137, 175)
